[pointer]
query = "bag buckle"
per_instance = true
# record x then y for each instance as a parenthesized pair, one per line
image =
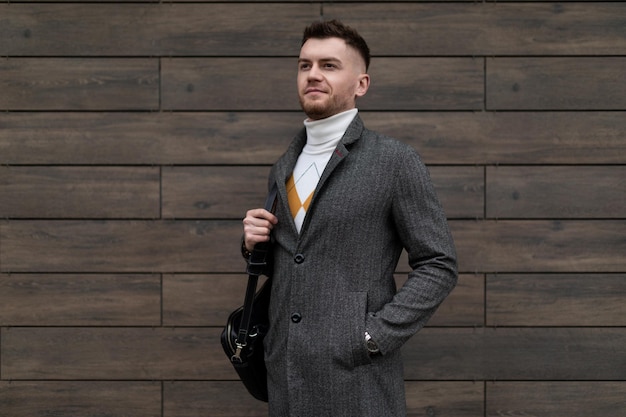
(236, 358)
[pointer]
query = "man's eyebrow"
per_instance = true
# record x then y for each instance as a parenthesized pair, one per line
(329, 59)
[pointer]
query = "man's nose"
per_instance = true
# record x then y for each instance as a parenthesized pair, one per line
(314, 73)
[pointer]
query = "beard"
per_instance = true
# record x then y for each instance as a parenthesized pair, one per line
(321, 109)
(315, 110)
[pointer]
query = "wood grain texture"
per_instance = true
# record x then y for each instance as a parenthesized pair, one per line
(556, 192)
(425, 84)
(195, 354)
(229, 84)
(199, 399)
(465, 306)
(212, 246)
(210, 398)
(85, 399)
(79, 84)
(572, 83)
(208, 299)
(114, 353)
(251, 138)
(460, 190)
(157, 29)
(134, 135)
(540, 246)
(516, 354)
(146, 138)
(217, 192)
(411, 28)
(556, 399)
(79, 192)
(227, 192)
(556, 300)
(202, 299)
(80, 300)
(120, 246)
(486, 29)
(232, 84)
(462, 399)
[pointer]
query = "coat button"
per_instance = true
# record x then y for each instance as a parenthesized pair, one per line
(296, 317)
(299, 258)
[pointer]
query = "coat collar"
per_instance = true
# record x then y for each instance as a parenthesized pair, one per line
(284, 166)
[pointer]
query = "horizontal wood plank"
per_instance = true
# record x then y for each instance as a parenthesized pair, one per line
(438, 84)
(509, 137)
(556, 300)
(218, 192)
(486, 29)
(556, 192)
(218, 84)
(556, 399)
(449, 398)
(79, 84)
(85, 399)
(208, 299)
(79, 192)
(229, 84)
(157, 29)
(202, 299)
(146, 138)
(114, 353)
(540, 246)
(460, 190)
(120, 246)
(228, 192)
(222, 399)
(210, 398)
(203, 246)
(573, 83)
(465, 306)
(260, 138)
(521, 354)
(442, 29)
(196, 354)
(80, 300)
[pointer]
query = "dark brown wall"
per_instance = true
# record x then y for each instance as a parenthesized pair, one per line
(134, 135)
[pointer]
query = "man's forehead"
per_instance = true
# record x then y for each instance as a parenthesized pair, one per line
(328, 47)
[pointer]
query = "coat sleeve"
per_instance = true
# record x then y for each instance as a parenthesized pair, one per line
(423, 230)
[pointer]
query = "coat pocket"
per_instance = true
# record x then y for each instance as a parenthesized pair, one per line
(348, 330)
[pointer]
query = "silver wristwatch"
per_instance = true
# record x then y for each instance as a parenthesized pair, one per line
(372, 347)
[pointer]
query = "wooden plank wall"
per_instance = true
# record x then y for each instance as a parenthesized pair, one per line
(134, 135)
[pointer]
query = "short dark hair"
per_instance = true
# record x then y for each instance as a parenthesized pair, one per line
(335, 29)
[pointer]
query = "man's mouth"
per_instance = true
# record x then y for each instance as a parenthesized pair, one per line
(313, 91)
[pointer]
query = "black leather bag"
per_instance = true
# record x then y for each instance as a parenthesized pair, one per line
(242, 338)
(248, 359)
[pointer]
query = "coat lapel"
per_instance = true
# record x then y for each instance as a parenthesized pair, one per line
(284, 166)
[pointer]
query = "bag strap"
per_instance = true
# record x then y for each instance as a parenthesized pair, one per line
(256, 267)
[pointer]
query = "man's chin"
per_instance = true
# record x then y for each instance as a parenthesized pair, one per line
(315, 111)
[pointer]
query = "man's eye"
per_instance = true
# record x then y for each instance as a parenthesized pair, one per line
(304, 66)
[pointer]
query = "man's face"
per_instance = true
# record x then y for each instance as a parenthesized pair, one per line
(331, 75)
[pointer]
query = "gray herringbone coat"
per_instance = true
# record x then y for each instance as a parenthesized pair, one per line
(334, 280)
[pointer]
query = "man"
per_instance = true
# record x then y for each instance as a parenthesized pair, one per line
(349, 201)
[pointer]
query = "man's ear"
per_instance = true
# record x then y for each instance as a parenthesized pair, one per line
(363, 86)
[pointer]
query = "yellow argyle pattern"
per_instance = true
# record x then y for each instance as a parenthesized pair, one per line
(296, 205)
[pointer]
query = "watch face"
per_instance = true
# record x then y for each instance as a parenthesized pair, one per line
(372, 346)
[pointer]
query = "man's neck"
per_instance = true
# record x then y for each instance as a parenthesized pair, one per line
(331, 129)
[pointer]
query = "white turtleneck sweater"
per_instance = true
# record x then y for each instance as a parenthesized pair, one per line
(322, 139)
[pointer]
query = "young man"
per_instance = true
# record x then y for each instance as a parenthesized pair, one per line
(349, 201)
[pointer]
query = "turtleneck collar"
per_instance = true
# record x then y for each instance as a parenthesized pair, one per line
(325, 133)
